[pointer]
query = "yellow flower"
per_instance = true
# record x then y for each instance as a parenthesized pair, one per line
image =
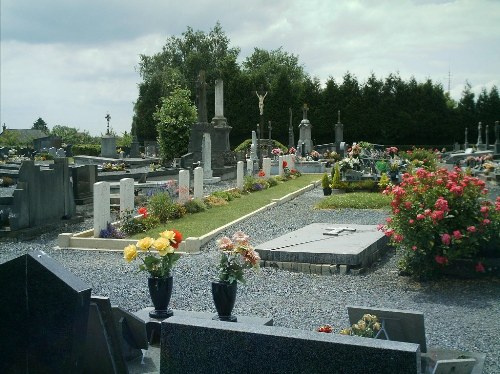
(130, 252)
(168, 234)
(145, 243)
(376, 326)
(346, 331)
(161, 245)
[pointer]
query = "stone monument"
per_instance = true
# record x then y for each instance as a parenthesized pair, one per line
(466, 143)
(497, 138)
(339, 133)
(479, 144)
(221, 129)
(305, 132)
(253, 147)
(206, 147)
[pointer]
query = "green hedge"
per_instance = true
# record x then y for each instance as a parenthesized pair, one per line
(86, 149)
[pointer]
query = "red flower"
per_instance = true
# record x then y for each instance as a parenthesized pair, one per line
(457, 234)
(446, 239)
(143, 211)
(441, 260)
(285, 164)
(471, 228)
(480, 268)
(177, 238)
(325, 328)
(261, 173)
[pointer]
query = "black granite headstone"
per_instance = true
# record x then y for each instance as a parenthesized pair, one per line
(43, 316)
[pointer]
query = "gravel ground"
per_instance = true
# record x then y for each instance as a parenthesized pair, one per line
(459, 314)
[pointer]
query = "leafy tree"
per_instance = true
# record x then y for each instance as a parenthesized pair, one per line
(9, 139)
(71, 135)
(178, 64)
(40, 124)
(125, 140)
(175, 117)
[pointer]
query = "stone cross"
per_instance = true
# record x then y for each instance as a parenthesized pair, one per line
(335, 231)
(108, 117)
(219, 98)
(201, 95)
(305, 109)
(479, 135)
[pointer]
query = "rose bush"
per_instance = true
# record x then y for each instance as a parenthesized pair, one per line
(439, 217)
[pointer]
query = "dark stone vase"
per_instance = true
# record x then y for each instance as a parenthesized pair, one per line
(160, 290)
(224, 295)
(327, 191)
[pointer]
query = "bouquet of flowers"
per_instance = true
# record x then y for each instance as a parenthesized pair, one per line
(237, 255)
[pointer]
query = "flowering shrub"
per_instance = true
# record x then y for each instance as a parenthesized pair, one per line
(292, 151)
(367, 327)
(349, 163)
(165, 247)
(111, 232)
(130, 224)
(237, 255)
(438, 217)
(420, 158)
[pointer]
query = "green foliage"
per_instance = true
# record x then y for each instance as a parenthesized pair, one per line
(175, 117)
(355, 200)
(383, 181)
(226, 195)
(10, 139)
(125, 140)
(40, 124)
(71, 135)
(162, 207)
(272, 181)
(420, 158)
(131, 225)
(214, 201)
(336, 177)
(325, 181)
(195, 206)
(87, 149)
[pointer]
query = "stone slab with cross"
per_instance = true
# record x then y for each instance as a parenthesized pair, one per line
(356, 246)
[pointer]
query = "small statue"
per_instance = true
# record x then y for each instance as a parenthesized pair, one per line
(261, 102)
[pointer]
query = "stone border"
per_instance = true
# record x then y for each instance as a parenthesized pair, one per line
(85, 241)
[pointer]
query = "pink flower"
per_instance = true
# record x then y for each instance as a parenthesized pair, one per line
(446, 239)
(411, 221)
(486, 221)
(414, 247)
(457, 235)
(420, 216)
(389, 232)
(437, 215)
(471, 229)
(441, 260)
(398, 238)
(388, 219)
(407, 204)
(480, 267)
(427, 212)
(442, 204)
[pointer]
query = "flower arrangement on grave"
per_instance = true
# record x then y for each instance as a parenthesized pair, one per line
(158, 256)
(420, 158)
(354, 151)
(277, 151)
(368, 327)
(237, 254)
(349, 163)
(325, 328)
(131, 224)
(391, 151)
(315, 154)
(439, 217)
(108, 166)
(292, 151)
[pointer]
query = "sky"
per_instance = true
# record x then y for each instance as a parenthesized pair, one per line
(71, 62)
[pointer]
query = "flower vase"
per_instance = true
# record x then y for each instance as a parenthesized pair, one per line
(160, 290)
(224, 295)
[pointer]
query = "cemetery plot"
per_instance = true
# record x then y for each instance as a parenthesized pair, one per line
(353, 246)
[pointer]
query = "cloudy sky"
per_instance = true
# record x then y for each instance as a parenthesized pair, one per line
(72, 61)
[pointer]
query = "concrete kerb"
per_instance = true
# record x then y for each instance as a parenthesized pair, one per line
(85, 240)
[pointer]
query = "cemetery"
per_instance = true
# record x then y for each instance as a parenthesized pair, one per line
(78, 299)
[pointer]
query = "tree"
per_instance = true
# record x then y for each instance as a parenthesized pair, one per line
(40, 124)
(466, 110)
(71, 135)
(178, 64)
(174, 118)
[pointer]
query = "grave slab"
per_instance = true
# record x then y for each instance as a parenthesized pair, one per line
(153, 325)
(325, 243)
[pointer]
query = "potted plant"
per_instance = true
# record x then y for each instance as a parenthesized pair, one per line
(159, 257)
(336, 182)
(325, 184)
(237, 254)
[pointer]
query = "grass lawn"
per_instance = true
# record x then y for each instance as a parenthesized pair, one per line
(198, 224)
(356, 200)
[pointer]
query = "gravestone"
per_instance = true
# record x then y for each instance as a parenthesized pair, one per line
(250, 165)
(240, 173)
(183, 186)
(61, 153)
(339, 134)
(108, 146)
(134, 148)
(280, 166)
(195, 345)
(43, 316)
(220, 129)
(305, 127)
(479, 145)
(126, 195)
(253, 147)
(84, 177)
(400, 325)
(198, 182)
(206, 151)
(102, 214)
(266, 167)
(53, 152)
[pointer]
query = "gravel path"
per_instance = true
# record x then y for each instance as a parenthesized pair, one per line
(459, 314)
